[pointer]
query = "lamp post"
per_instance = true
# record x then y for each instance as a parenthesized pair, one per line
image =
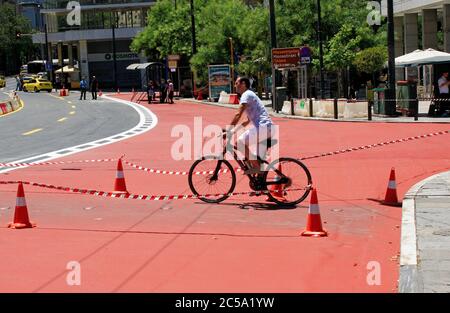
(273, 41)
(194, 43)
(391, 103)
(113, 28)
(232, 64)
(319, 37)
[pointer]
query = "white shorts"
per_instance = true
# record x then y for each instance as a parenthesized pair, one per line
(256, 138)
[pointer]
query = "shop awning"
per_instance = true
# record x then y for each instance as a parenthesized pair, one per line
(422, 57)
(67, 69)
(142, 66)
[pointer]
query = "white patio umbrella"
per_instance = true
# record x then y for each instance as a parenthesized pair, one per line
(420, 57)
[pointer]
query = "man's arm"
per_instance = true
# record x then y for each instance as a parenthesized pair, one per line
(238, 115)
(443, 83)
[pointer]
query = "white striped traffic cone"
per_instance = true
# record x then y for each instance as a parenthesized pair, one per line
(391, 192)
(119, 184)
(21, 219)
(314, 222)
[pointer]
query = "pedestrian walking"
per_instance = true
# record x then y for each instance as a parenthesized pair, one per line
(151, 91)
(94, 87)
(18, 84)
(170, 91)
(83, 88)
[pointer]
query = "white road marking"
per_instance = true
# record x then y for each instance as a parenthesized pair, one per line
(147, 121)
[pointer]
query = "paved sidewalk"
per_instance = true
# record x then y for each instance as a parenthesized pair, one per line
(375, 118)
(425, 259)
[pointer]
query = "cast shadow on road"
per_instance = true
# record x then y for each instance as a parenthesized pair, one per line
(260, 206)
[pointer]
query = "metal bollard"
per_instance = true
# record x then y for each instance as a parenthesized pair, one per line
(311, 113)
(336, 115)
(416, 110)
(369, 110)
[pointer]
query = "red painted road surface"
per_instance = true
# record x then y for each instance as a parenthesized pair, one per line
(241, 245)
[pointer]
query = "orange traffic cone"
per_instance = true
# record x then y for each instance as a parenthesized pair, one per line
(277, 190)
(391, 192)
(21, 219)
(120, 185)
(314, 222)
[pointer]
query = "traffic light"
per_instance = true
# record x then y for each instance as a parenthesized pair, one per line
(18, 34)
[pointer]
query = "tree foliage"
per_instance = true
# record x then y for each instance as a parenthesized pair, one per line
(13, 48)
(371, 60)
(344, 31)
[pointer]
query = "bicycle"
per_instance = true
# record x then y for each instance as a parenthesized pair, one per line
(211, 173)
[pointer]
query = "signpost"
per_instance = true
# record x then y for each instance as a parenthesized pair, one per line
(219, 80)
(283, 58)
(296, 59)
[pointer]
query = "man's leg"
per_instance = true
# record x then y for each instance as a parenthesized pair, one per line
(248, 138)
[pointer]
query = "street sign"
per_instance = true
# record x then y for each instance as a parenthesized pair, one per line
(48, 66)
(173, 57)
(305, 55)
(285, 58)
(173, 64)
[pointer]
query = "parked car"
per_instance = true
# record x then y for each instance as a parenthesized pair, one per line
(37, 84)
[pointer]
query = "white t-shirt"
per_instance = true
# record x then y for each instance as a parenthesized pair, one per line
(255, 109)
(443, 89)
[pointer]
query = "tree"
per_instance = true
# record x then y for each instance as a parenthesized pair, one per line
(371, 60)
(15, 46)
(344, 28)
(218, 21)
(168, 31)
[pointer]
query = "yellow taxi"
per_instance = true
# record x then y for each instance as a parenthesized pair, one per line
(37, 84)
(2, 81)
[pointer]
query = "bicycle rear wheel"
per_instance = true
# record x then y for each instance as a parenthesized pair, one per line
(207, 186)
(299, 184)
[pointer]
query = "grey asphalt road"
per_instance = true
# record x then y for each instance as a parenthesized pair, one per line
(47, 123)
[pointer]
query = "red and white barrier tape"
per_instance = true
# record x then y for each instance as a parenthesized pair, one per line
(376, 145)
(163, 172)
(176, 173)
(137, 197)
(54, 163)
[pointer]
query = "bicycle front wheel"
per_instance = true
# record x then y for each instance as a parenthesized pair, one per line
(211, 179)
(299, 181)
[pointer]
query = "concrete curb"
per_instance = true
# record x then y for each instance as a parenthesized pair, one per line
(375, 119)
(410, 278)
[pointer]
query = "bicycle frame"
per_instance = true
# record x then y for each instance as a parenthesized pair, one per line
(254, 178)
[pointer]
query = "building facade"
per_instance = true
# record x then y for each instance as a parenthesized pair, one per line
(422, 24)
(31, 10)
(89, 34)
(434, 18)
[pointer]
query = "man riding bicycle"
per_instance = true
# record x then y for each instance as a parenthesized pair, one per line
(263, 128)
